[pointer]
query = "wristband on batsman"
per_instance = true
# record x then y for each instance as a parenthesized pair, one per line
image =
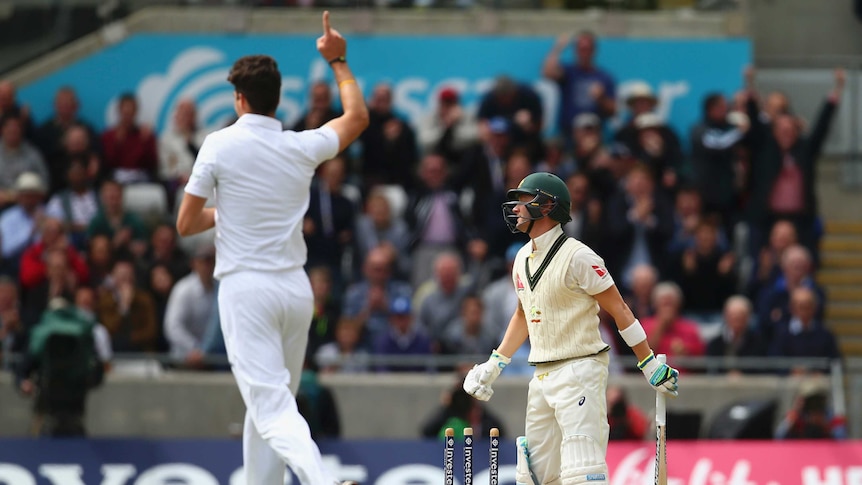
(633, 334)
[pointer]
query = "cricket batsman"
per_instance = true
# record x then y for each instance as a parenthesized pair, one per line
(560, 284)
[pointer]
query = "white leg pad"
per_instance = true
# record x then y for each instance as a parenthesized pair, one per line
(582, 461)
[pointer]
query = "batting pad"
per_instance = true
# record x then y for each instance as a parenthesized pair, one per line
(582, 461)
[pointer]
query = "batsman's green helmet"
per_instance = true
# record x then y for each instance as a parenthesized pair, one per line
(544, 187)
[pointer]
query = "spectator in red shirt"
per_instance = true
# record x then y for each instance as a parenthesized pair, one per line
(33, 270)
(667, 331)
(130, 149)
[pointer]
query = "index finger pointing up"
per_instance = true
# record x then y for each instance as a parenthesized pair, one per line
(326, 22)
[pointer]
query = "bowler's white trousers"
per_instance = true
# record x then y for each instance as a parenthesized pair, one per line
(567, 421)
(265, 319)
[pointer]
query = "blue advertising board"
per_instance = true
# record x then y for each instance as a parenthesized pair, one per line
(163, 69)
(219, 462)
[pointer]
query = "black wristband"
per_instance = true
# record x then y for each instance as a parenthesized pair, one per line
(337, 59)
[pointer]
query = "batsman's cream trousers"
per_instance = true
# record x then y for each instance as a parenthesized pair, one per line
(265, 319)
(567, 421)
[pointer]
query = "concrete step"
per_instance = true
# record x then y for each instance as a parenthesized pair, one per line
(833, 243)
(839, 260)
(845, 328)
(835, 311)
(844, 228)
(842, 293)
(829, 277)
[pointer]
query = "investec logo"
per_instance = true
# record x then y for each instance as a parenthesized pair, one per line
(493, 460)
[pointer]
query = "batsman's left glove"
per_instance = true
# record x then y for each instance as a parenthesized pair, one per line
(661, 376)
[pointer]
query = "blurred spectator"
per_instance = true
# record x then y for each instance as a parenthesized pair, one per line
(127, 311)
(59, 282)
(402, 337)
(130, 149)
(51, 135)
(587, 224)
(482, 169)
(330, 219)
(738, 338)
(12, 338)
(712, 153)
(499, 298)
(687, 217)
(640, 99)
(442, 305)
(448, 130)
(667, 331)
(639, 298)
(100, 259)
(346, 354)
(584, 87)
(767, 267)
(60, 367)
(77, 204)
(774, 301)
(378, 225)
(9, 106)
(189, 308)
(640, 223)
(557, 159)
(327, 311)
(784, 169)
(78, 144)
(160, 284)
(125, 229)
(17, 156)
(497, 236)
(657, 146)
(319, 110)
(706, 273)
(521, 107)
(470, 333)
(85, 302)
(368, 300)
(434, 218)
(34, 260)
(163, 250)
(803, 334)
(810, 418)
(178, 146)
(626, 421)
(590, 155)
(316, 404)
(458, 410)
(389, 144)
(20, 224)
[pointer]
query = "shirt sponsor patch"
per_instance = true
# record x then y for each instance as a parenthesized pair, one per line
(519, 285)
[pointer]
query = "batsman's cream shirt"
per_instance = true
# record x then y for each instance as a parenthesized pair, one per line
(562, 315)
(260, 177)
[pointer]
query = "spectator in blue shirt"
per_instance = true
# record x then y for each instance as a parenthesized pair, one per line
(584, 87)
(804, 335)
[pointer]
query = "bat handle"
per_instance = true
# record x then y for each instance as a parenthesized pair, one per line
(660, 408)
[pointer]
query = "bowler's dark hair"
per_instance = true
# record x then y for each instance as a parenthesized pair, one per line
(257, 78)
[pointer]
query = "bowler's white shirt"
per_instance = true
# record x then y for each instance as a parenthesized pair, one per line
(260, 176)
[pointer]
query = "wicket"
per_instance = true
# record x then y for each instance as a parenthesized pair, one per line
(449, 457)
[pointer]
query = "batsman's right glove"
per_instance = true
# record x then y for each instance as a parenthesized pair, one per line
(661, 376)
(478, 381)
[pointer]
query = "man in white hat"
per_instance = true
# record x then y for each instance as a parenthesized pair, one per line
(640, 99)
(20, 224)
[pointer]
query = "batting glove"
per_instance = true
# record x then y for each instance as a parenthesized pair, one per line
(478, 381)
(661, 376)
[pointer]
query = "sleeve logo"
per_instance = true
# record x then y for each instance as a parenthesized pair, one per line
(600, 271)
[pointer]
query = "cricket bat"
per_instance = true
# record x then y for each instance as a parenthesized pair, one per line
(660, 436)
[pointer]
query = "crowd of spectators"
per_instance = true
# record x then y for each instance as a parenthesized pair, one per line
(407, 252)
